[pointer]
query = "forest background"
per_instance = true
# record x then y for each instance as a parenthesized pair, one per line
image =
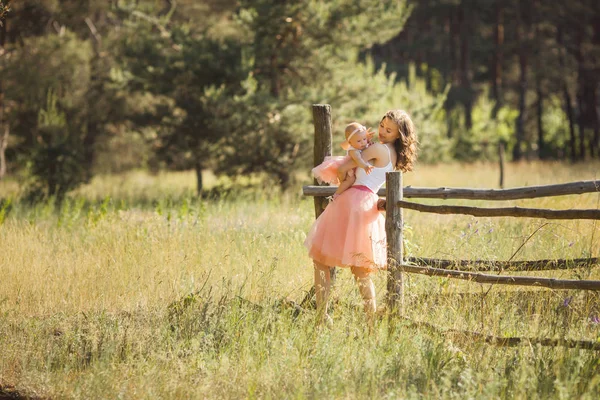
(119, 282)
(97, 87)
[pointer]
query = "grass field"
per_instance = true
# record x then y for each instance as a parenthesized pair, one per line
(134, 288)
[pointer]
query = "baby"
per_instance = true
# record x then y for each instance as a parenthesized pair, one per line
(358, 138)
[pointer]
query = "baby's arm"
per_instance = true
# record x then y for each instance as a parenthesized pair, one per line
(376, 153)
(355, 155)
(345, 184)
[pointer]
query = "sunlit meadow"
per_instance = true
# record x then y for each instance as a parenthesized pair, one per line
(134, 288)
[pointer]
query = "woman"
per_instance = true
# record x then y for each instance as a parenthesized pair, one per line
(351, 232)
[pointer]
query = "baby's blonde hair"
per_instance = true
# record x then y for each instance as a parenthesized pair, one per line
(407, 144)
(351, 127)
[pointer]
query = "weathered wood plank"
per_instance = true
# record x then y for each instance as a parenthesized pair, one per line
(322, 148)
(528, 192)
(322, 145)
(503, 212)
(495, 265)
(508, 341)
(505, 280)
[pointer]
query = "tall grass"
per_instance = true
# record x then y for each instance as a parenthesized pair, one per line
(134, 288)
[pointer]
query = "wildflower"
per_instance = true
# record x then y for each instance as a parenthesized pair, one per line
(567, 301)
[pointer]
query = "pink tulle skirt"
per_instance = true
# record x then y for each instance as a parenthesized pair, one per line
(350, 232)
(326, 172)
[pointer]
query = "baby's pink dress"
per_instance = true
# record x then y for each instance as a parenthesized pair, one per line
(326, 172)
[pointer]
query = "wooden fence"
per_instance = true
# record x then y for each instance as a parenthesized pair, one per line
(395, 203)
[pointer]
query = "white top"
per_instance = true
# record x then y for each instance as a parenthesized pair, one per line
(376, 178)
(350, 148)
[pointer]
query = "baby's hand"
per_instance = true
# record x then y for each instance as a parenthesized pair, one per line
(368, 169)
(370, 135)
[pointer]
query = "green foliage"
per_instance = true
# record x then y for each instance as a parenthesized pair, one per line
(296, 59)
(426, 109)
(169, 72)
(54, 164)
(4, 9)
(63, 100)
(260, 133)
(5, 207)
(228, 85)
(241, 104)
(505, 50)
(481, 142)
(556, 128)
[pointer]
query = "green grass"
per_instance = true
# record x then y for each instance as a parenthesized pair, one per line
(135, 289)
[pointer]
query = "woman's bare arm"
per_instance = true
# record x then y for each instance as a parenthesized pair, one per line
(372, 153)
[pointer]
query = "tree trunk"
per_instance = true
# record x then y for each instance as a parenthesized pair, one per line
(498, 58)
(540, 111)
(452, 70)
(566, 96)
(520, 122)
(275, 89)
(283, 176)
(581, 95)
(539, 101)
(571, 117)
(4, 131)
(199, 183)
(466, 26)
(595, 145)
(593, 109)
(4, 128)
(581, 124)
(95, 91)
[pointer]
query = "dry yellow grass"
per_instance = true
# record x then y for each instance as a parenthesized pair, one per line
(139, 297)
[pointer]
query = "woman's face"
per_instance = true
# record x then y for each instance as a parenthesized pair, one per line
(388, 131)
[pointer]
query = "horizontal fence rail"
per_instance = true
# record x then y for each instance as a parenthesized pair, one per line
(503, 279)
(503, 212)
(508, 341)
(494, 265)
(528, 192)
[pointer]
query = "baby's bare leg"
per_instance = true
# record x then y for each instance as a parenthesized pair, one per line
(342, 176)
(346, 183)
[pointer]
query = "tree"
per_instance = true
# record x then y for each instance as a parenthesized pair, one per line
(60, 85)
(246, 92)
(298, 52)
(4, 127)
(525, 53)
(169, 62)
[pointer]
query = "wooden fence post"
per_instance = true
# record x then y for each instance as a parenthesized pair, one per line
(322, 149)
(394, 225)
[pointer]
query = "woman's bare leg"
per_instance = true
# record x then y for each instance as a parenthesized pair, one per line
(367, 290)
(322, 289)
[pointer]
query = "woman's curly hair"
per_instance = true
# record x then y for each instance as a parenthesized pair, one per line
(407, 144)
